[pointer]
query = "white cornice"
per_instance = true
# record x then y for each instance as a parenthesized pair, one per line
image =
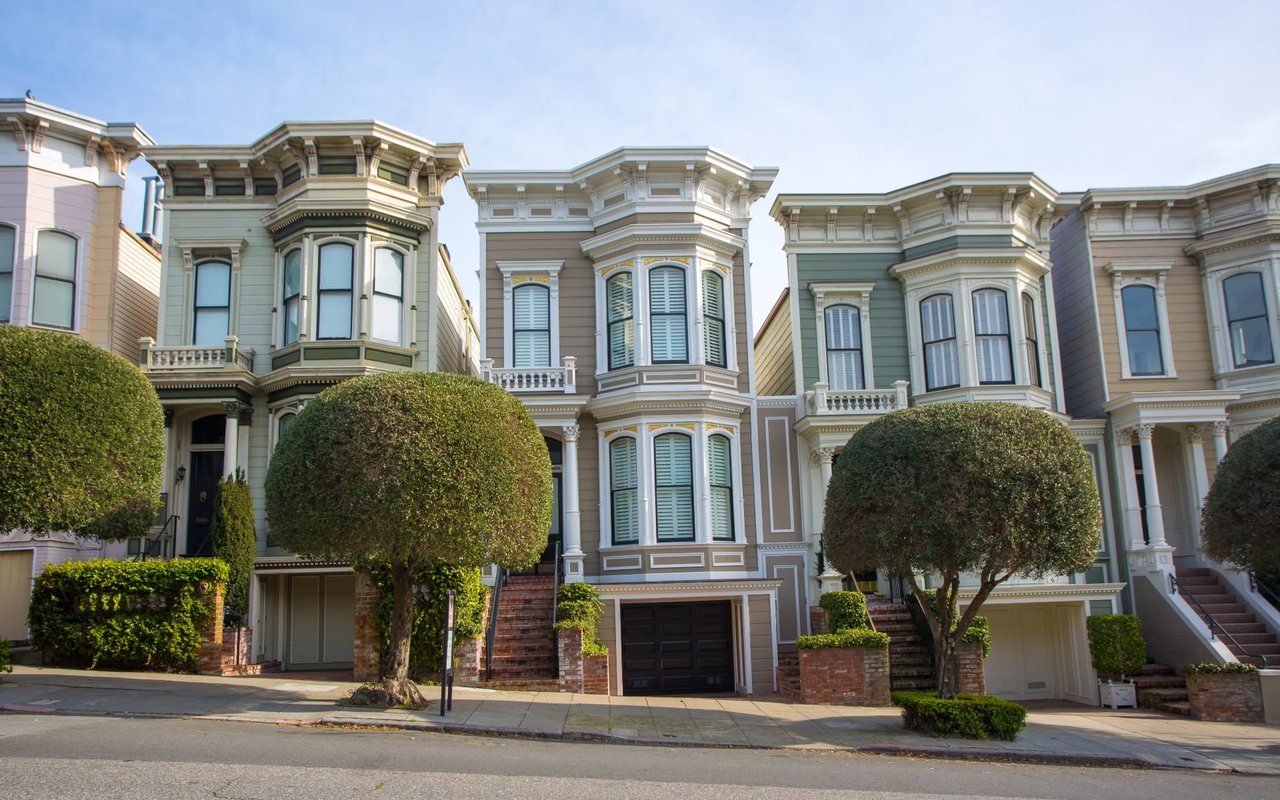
(635, 402)
(981, 258)
(1045, 592)
(640, 235)
(610, 591)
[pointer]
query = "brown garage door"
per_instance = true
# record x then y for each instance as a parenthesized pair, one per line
(677, 648)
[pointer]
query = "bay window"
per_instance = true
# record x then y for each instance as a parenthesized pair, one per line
(991, 332)
(938, 326)
(333, 314)
(619, 300)
(388, 295)
(668, 327)
(54, 298)
(1247, 324)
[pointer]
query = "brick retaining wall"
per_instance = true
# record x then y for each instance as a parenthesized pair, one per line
(367, 664)
(209, 656)
(852, 676)
(579, 673)
(1225, 698)
(971, 674)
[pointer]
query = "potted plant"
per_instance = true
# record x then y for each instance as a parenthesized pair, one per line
(1117, 650)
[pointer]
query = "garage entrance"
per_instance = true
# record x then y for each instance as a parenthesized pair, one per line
(677, 648)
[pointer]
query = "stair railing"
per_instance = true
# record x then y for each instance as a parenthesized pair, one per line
(491, 633)
(555, 588)
(1213, 624)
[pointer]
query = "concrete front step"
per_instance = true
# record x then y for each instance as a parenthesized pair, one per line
(1180, 707)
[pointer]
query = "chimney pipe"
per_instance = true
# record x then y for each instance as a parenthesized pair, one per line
(148, 219)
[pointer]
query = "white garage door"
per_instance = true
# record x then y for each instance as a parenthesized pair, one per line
(1023, 653)
(15, 593)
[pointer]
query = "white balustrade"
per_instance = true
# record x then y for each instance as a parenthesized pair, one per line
(190, 357)
(533, 379)
(857, 401)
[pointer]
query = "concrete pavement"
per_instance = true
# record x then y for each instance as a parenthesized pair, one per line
(1070, 734)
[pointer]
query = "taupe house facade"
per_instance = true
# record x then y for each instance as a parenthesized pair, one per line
(615, 303)
(297, 261)
(67, 264)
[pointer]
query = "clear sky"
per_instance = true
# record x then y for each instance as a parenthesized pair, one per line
(841, 96)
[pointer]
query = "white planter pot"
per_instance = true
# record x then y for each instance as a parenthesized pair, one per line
(1118, 695)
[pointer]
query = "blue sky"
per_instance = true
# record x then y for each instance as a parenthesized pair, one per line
(842, 97)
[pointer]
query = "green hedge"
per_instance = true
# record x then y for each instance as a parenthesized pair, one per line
(578, 606)
(6, 662)
(125, 614)
(857, 637)
(1116, 644)
(968, 715)
(845, 610)
(1218, 668)
(426, 646)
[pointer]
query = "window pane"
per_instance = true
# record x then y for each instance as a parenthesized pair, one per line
(940, 365)
(990, 314)
(531, 308)
(936, 318)
(1032, 340)
(1144, 353)
(844, 370)
(1244, 296)
(56, 256)
(6, 249)
(335, 266)
(622, 477)
(1251, 342)
(388, 272)
(211, 327)
(1139, 308)
(994, 362)
(622, 349)
(292, 273)
(673, 470)
(387, 319)
(291, 320)
(1247, 321)
(844, 329)
(6, 295)
(283, 425)
(720, 473)
(714, 331)
(53, 302)
(618, 299)
(937, 323)
(213, 284)
(721, 513)
(666, 291)
(532, 349)
(669, 338)
(618, 290)
(334, 320)
(713, 319)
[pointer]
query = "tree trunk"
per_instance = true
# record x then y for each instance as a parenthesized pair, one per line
(944, 665)
(396, 689)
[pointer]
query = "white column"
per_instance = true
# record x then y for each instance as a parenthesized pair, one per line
(231, 441)
(1132, 512)
(573, 557)
(830, 580)
(1220, 439)
(1195, 441)
(1155, 518)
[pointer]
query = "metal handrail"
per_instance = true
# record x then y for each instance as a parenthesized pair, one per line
(1212, 623)
(1259, 587)
(555, 609)
(491, 632)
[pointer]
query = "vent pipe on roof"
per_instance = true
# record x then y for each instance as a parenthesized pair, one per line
(152, 186)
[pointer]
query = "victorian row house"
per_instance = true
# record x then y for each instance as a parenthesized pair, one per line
(304, 258)
(67, 264)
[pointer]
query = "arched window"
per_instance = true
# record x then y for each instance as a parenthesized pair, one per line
(213, 304)
(938, 327)
(623, 499)
(713, 318)
(1247, 320)
(991, 330)
(54, 302)
(8, 237)
(388, 296)
(1142, 330)
(619, 301)
(720, 474)
(290, 296)
(667, 316)
(844, 347)
(283, 423)
(531, 326)
(1032, 339)
(673, 477)
(333, 314)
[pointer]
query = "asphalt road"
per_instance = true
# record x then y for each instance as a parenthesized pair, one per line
(97, 758)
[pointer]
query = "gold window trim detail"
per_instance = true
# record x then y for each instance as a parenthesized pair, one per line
(534, 278)
(653, 426)
(658, 259)
(623, 429)
(620, 265)
(715, 426)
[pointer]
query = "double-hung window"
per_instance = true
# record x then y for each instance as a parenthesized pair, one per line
(55, 284)
(720, 475)
(713, 318)
(531, 326)
(7, 240)
(621, 321)
(1032, 340)
(388, 295)
(844, 347)
(673, 474)
(1142, 330)
(1247, 320)
(991, 331)
(938, 327)
(668, 327)
(333, 317)
(213, 304)
(291, 296)
(623, 494)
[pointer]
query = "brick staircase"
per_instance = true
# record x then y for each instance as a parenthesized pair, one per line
(1249, 633)
(910, 665)
(1161, 689)
(523, 648)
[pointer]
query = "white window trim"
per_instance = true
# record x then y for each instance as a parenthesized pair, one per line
(294, 406)
(358, 242)
(365, 278)
(639, 326)
(77, 290)
(1141, 273)
(220, 249)
(853, 294)
(1216, 302)
(546, 273)
(692, 311)
(725, 272)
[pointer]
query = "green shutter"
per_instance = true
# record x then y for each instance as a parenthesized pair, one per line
(618, 300)
(673, 471)
(720, 472)
(713, 318)
(531, 324)
(622, 482)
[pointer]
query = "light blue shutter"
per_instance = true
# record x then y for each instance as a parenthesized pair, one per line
(720, 472)
(531, 321)
(713, 318)
(673, 471)
(622, 351)
(622, 482)
(667, 315)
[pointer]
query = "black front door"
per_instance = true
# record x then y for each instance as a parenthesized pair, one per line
(206, 469)
(677, 648)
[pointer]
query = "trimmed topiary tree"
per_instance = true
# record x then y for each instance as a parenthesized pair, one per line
(988, 489)
(1239, 520)
(845, 610)
(1116, 644)
(81, 438)
(234, 539)
(411, 469)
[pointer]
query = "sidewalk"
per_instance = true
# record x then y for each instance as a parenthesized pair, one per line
(1075, 734)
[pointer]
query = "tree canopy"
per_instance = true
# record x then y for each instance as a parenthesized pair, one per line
(81, 438)
(990, 490)
(1241, 518)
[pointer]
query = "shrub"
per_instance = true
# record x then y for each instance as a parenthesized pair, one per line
(968, 715)
(845, 610)
(569, 592)
(6, 662)
(1218, 668)
(855, 637)
(1240, 513)
(578, 606)
(125, 614)
(426, 648)
(1116, 644)
(234, 538)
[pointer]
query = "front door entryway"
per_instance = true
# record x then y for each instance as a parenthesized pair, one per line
(677, 648)
(206, 469)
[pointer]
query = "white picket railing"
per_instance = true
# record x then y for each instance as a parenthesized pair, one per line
(189, 357)
(857, 401)
(533, 379)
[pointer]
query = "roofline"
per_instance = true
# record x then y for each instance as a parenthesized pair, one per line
(617, 157)
(946, 180)
(777, 304)
(90, 125)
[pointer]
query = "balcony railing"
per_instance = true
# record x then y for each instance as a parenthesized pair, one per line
(193, 357)
(822, 400)
(533, 379)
